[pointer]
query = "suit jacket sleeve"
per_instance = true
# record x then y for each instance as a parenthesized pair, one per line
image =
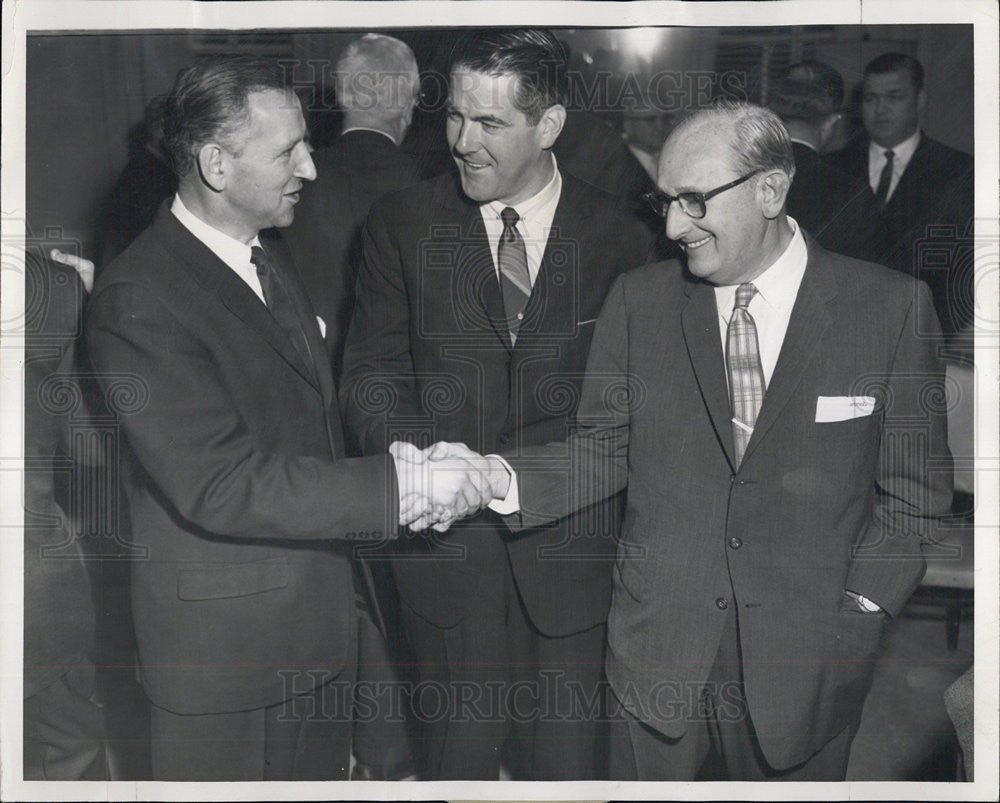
(186, 432)
(378, 379)
(915, 472)
(592, 464)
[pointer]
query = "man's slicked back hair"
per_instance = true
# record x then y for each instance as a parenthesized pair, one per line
(210, 103)
(809, 91)
(532, 54)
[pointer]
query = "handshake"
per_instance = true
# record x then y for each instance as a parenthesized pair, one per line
(445, 482)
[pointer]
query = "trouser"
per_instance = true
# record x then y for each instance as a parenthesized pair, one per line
(64, 731)
(724, 736)
(493, 689)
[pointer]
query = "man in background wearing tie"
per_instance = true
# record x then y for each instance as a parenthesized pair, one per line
(476, 304)
(922, 190)
(772, 407)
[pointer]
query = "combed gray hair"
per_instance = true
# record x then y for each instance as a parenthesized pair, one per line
(760, 139)
(369, 73)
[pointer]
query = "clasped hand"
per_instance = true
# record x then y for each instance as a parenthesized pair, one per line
(444, 482)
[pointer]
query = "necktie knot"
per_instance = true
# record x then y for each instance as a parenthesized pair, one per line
(509, 217)
(744, 294)
(258, 257)
(889, 155)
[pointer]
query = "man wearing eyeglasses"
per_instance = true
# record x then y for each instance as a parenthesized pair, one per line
(769, 405)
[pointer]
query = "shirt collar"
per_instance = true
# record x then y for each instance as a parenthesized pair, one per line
(777, 286)
(901, 153)
(231, 251)
(547, 196)
(365, 128)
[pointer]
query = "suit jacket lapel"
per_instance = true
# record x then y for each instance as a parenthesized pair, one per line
(700, 323)
(212, 273)
(807, 329)
(553, 305)
(476, 270)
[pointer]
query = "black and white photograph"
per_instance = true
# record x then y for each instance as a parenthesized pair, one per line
(500, 400)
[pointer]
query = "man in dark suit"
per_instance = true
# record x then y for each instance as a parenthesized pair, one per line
(766, 405)
(248, 606)
(476, 303)
(377, 88)
(922, 190)
(64, 727)
(831, 204)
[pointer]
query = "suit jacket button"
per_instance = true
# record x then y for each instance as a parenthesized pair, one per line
(721, 603)
(735, 543)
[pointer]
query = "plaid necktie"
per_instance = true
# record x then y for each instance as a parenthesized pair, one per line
(884, 180)
(746, 377)
(515, 281)
(280, 304)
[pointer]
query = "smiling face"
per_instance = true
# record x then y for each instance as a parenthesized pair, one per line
(890, 107)
(735, 241)
(500, 157)
(266, 165)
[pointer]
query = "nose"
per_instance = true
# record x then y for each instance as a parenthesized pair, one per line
(467, 141)
(304, 167)
(677, 222)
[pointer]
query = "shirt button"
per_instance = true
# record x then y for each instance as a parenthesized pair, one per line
(520, 316)
(721, 603)
(735, 543)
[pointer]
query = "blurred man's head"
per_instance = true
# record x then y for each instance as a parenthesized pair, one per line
(237, 141)
(808, 98)
(724, 175)
(892, 97)
(378, 85)
(506, 108)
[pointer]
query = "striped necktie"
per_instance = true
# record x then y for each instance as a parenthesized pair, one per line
(746, 377)
(515, 281)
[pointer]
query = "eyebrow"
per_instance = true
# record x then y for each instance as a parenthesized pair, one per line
(481, 118)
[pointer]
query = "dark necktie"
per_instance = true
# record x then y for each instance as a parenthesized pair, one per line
(746, 377)
(515, 282)
(884, 180)
(280, 303)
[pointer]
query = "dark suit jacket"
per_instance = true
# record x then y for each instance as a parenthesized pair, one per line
(59, 621)
(926, 228)
(835, 207)
(325, 238)
(429, 356)
(813, 509)
(238, 487)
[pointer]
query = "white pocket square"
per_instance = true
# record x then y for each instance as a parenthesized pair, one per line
(584, 323)
(322, 326)
(843, 408)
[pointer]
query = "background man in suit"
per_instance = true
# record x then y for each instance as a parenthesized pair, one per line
(476, 303)
(377, 88)
(916, 184)
(767, 409)
(832, 205)
(246, 609)
(64, 726)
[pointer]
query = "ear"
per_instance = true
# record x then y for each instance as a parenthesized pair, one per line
(921, 100)
(826, 129)
(551, 123)
(211, 166)
(772, 189)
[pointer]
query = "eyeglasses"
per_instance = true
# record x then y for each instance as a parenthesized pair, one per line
(692, 204)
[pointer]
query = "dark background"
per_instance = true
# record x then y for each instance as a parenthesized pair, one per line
(86, 92)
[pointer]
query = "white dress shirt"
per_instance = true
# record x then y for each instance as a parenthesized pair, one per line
(901, 155)
(771, 306)
(234, 253)
(535, 221)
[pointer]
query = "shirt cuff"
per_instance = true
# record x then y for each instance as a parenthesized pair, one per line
(511, 503)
